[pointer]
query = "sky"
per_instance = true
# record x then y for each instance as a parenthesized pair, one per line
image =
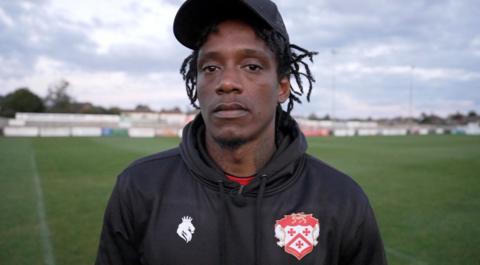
(375, 58)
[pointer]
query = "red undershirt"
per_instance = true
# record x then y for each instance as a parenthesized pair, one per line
(241, 180)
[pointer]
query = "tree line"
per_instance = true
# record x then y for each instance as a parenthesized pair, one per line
(57, 100)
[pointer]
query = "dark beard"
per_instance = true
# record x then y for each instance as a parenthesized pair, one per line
(230, 144)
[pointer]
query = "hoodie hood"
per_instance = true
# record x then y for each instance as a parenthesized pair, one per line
(283, 168)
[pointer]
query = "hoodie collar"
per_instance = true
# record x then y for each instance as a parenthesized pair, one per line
(284, 165)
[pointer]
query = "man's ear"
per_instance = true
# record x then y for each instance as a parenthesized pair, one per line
(283, 89)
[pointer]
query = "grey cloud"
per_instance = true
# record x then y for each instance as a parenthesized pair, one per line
(174, 2)
(430, 28)
(425, 34)
(35, 34)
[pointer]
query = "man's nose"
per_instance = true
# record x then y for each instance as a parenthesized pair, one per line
(229, 81)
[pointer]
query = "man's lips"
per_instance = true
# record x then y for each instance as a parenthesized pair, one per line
(229, 106)
(230, 110)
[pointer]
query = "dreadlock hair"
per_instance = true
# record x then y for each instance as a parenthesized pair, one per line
(290, 59)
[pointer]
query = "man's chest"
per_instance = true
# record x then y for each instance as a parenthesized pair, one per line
(204, 230)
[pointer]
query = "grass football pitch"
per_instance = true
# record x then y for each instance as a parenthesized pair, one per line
(425, 191)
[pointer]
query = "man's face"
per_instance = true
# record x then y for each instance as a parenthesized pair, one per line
(238, 86)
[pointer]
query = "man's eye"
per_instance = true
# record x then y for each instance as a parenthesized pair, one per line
(209, 68)
(253, 67)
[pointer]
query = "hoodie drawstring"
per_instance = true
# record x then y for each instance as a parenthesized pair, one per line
(258, 220)
(222, 223)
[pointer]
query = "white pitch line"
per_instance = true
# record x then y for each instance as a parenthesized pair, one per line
(48, 256)
(404, 256)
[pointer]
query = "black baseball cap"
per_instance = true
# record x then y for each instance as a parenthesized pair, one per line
(195, 15)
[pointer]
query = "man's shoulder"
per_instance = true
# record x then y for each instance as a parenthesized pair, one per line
(160, 158)
(332, 180)
(152, 168)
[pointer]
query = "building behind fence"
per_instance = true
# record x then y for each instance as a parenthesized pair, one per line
(159, 124)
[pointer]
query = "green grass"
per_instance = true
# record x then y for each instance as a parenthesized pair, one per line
(425, 191)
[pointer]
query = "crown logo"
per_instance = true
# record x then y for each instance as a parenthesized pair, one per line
(187, 219)
(186, 229)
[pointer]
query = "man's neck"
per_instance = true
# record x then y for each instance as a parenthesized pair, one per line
(244, 160)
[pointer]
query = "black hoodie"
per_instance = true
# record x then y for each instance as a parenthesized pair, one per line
(177, 207)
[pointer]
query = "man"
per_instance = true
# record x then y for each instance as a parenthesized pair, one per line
(240, 188)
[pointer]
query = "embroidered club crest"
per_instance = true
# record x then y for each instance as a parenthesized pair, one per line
(297, 233)
(186, 229)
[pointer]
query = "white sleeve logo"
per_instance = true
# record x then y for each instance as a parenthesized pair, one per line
(186, 229)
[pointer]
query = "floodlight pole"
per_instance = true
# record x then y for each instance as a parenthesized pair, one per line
(410, 93)
(333, 52)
